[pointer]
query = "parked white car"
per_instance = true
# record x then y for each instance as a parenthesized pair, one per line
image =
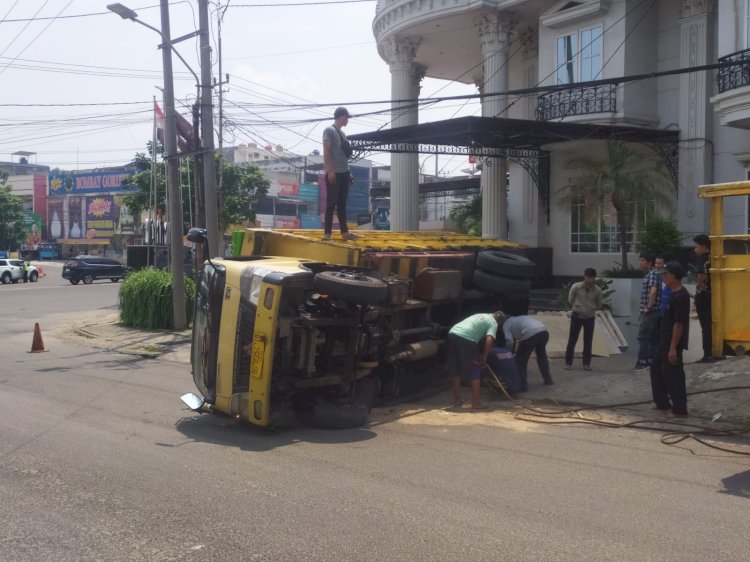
(11, 271)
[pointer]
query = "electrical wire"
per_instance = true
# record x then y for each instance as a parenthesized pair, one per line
(37, 36)
(562, 415)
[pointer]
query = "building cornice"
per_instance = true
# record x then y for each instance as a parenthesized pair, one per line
(557, 16)
(694, 8)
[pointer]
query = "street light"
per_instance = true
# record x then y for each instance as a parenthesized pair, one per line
(173, 176)
(210, 197)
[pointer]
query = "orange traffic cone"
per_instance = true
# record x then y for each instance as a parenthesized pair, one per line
(37, 346)
(41, 271)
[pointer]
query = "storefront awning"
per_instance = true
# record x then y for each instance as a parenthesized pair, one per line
(520, 140)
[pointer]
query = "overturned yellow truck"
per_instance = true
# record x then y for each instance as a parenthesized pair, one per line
(295, 327)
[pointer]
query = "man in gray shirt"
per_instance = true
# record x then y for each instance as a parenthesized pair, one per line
(530, 335)
(336, 153)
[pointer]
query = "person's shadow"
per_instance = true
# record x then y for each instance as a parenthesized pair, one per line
(737, 485)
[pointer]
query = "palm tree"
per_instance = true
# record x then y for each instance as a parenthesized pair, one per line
(468, 216)
(624, 178)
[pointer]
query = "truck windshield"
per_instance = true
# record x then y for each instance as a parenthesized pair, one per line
(206, 322)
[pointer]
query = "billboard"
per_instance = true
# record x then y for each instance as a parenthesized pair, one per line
(89, 183)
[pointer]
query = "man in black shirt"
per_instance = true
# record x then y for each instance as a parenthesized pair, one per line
(703, 292)
(667, 371)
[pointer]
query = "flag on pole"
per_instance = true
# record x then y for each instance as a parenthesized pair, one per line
(184, 129)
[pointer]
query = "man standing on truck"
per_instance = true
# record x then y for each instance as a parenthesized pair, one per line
(464, 360)
(336, 154)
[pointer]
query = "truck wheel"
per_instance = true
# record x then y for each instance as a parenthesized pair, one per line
(345, 416)
(6, 278)
(513, 288)
(351, 286)
(505, 264)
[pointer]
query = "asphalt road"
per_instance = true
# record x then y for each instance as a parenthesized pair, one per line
(100, 461)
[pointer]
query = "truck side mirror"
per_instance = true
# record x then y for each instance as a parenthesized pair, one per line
(197, 235)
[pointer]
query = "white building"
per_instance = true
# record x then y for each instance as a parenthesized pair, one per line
(504, 45)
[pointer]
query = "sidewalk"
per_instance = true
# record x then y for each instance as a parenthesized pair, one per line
(611, 381)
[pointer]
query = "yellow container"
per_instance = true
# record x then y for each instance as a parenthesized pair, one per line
(730, 273)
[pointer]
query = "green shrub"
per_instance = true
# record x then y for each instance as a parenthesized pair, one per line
(603, 284)
(660, 237)
(146, 299)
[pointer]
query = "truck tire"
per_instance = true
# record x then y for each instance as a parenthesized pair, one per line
(351, 286)
(345, 416)
(509, 287)
(506, 264)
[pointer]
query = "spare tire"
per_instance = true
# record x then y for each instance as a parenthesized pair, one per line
(506, 264)
(513, 288)
(351, 286)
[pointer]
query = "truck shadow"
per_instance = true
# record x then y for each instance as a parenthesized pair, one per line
(224, 431)
(737, 485)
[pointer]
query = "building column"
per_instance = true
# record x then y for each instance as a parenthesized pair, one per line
(494, 30)
(697, 38)
(405, 78)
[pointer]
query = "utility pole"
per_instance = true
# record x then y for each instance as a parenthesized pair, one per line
(198, 183)
(173, 178)
(215, 235)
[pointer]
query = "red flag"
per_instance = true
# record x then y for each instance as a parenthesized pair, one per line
(159, 122)
(184, 129)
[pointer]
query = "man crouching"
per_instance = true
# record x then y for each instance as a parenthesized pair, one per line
(463, 360)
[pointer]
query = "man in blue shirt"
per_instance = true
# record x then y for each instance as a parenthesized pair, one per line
(649, 310)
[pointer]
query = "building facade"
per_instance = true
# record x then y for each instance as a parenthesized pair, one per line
(508, 45)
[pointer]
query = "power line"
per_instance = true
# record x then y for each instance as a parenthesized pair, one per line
(75, 104)
(36, 36)
(288, 4)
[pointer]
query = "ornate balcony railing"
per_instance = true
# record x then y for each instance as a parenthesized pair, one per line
(581, 100)
(736, 75)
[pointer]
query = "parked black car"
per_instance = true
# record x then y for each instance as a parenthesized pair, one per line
(88, 268)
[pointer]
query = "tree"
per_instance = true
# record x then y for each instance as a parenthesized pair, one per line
(468, 216)
(12, 226)
(242, 187)
(625, 179)
(661, 236)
